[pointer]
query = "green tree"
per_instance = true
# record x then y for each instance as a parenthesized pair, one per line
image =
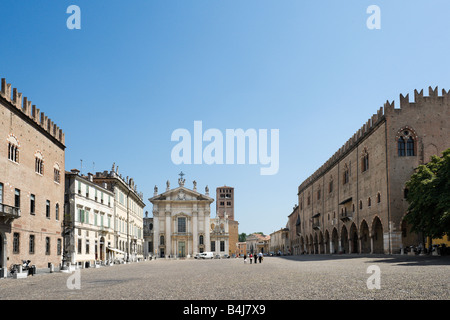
(242, 237)
(429, 197)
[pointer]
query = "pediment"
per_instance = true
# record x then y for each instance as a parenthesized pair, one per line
(181, 194)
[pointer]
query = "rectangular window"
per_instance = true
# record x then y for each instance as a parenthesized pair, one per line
(79, 187)
(213, 246)
(79, 246)
(31, 243)
(1, 193)
(32, 204)
(17, 198)
(47, 209)
(59, 247)
(56, 175)
(222, 246)
(87, 246)
(182, 225)
(16, 242)
(47, 246)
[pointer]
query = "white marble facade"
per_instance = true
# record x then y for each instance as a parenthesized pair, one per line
(181, 221)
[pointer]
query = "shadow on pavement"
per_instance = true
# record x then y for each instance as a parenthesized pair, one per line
(402, 260)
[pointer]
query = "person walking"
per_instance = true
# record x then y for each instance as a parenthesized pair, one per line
(260, 257)
(245, 258)
(255, 257)
(251, 258)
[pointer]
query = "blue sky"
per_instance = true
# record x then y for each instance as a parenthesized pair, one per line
(137, 70)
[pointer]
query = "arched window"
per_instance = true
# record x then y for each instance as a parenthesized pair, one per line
(346, 176)
(410, 147)
(378, 197)
(406, 142)
(365, 160)
(369, 202)
(56, 173)
(360, 204)
(401, 147)
(200, 240)
(13, 149)
(39, 162)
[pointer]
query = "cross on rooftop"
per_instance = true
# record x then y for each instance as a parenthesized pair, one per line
(181, 174)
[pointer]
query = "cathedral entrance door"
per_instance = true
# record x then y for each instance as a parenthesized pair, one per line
(181, 249)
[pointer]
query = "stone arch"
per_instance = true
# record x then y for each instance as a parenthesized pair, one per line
(327, 242)
(321, 243)
(354, 241)
(334, 247)
(316, 243)
(364, 235)
(344, 240)
(377, 235)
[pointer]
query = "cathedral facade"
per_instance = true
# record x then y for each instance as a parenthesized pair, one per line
(182, 226)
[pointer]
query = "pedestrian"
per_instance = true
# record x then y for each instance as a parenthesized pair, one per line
(255, 257)
(251, 257)
(245, 258)
(260, 257)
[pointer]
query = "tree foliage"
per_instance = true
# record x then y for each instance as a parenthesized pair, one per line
(429, 197)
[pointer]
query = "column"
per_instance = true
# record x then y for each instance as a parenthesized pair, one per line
(167, 236)
(194, 233)
(155, 234)
(207, 231)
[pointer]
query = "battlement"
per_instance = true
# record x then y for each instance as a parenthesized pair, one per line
(367, 128)
(29, 110)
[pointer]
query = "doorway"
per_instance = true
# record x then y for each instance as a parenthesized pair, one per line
(181, 249)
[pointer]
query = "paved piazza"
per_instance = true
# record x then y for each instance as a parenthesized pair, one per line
(309, 277)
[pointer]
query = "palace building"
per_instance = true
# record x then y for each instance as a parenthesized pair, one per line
(32, 162)
(355, 202)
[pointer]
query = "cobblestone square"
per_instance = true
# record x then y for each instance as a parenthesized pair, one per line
(308, 277)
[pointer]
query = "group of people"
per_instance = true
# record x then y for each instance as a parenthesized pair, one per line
(255, 257)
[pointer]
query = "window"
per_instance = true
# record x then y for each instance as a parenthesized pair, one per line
(13, 149)
(59, 247)
(39, 163)
(345, 178)
(360, 204)
(222, 246)
(32, 204)
(31, 250)
(47, 209)
(1, 193)
(330, 185)
(17, 198)
(369, 202)
(87, 246)
(57, 211)
(222, 203)
(181, 224)
(47, 245)
(200, 240)
(308, 200)
(213, 246)
(401, 147)
(161, 240)
(79, 246)
(406, 143)
(378, 197)
(56, 173)
(318, 194)
(410, 147)
(365, 160)
(228, 203)
(16, 242)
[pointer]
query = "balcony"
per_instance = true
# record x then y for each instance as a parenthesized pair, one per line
(316, 225)
(346, 216)
(9, 212)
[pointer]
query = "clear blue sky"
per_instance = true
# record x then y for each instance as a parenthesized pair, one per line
(137, 70)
